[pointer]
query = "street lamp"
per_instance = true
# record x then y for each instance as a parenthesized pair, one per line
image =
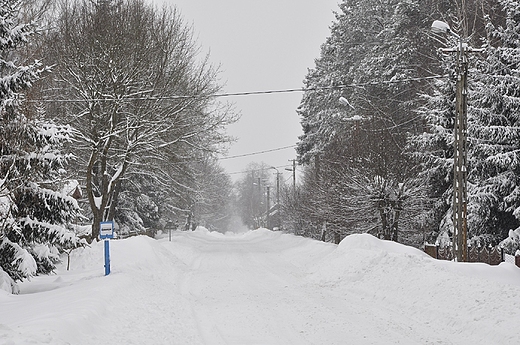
(460, 155)
(277, 184)
(345, 102)
(442, 28)
(277, 195)
(355, 118)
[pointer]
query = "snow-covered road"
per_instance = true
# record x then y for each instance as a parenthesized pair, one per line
(264, 287)
(253, 291)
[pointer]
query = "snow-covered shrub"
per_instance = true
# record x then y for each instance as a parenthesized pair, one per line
(129, 223)
(443, 240)
(128, 218)
(7, 283)
(512, 243)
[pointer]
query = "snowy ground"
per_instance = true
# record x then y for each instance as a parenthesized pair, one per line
(264, 287)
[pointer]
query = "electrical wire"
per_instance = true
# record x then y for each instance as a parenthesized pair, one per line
(246, 93)
(260, 169)
(257, 153)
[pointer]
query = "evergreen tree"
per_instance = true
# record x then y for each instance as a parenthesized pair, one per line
(375, 57)
(33, 217)
(493, 136)
(494, 128)
(432, 150)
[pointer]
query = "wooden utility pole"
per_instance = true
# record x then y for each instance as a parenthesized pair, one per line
(460, 155)
(267, 208)
(278, 189)
(460, 161)
(293, 175)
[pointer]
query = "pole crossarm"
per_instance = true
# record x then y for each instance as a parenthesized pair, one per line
(465, 47)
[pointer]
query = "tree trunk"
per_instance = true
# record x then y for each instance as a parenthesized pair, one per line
(395, 227)
(384, 224)
(114, 200)
(97, 215)
(337, 237)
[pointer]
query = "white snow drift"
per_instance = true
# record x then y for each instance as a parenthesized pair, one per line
(264, 287)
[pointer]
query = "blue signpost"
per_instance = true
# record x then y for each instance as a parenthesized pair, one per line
(107, 257)
(106, 231)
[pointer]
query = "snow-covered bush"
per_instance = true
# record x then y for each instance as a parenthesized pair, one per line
(7, 283)
(443, 240)
(512, 243)
(129, 223)
(132, 213)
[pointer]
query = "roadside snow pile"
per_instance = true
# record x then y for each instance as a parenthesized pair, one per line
(359, 256)
(263, 287)
(82, 306)
(365, 258)
(465, 299)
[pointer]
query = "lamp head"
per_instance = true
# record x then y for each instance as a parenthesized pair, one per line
(345, 102)
(442, 28)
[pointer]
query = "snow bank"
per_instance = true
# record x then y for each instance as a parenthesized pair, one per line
(82, 306)
(468, 300)
(363, 255)
(264, 287)
(358, 255)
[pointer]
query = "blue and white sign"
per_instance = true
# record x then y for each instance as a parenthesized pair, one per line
(106, 230)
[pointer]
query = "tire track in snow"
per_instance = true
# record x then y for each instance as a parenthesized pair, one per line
(248, 291)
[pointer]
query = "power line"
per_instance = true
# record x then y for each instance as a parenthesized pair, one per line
(259, 169)
(257, 153)
(246, 93)
(331, 87)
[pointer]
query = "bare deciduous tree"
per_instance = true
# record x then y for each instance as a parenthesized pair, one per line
(134, 90)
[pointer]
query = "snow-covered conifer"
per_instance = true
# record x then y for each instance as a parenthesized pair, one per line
(33, 216)
(494, 129)
(511, 244)
(374, 59)
(432, 150)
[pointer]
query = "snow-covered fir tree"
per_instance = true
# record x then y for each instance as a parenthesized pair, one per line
(374, 57)
(494, 127)
(433, 149)
(33, 216)
(493, 131)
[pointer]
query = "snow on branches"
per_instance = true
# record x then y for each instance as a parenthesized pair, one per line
(34, 220)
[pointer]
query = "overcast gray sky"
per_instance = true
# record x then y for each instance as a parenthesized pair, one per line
(261, 45)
